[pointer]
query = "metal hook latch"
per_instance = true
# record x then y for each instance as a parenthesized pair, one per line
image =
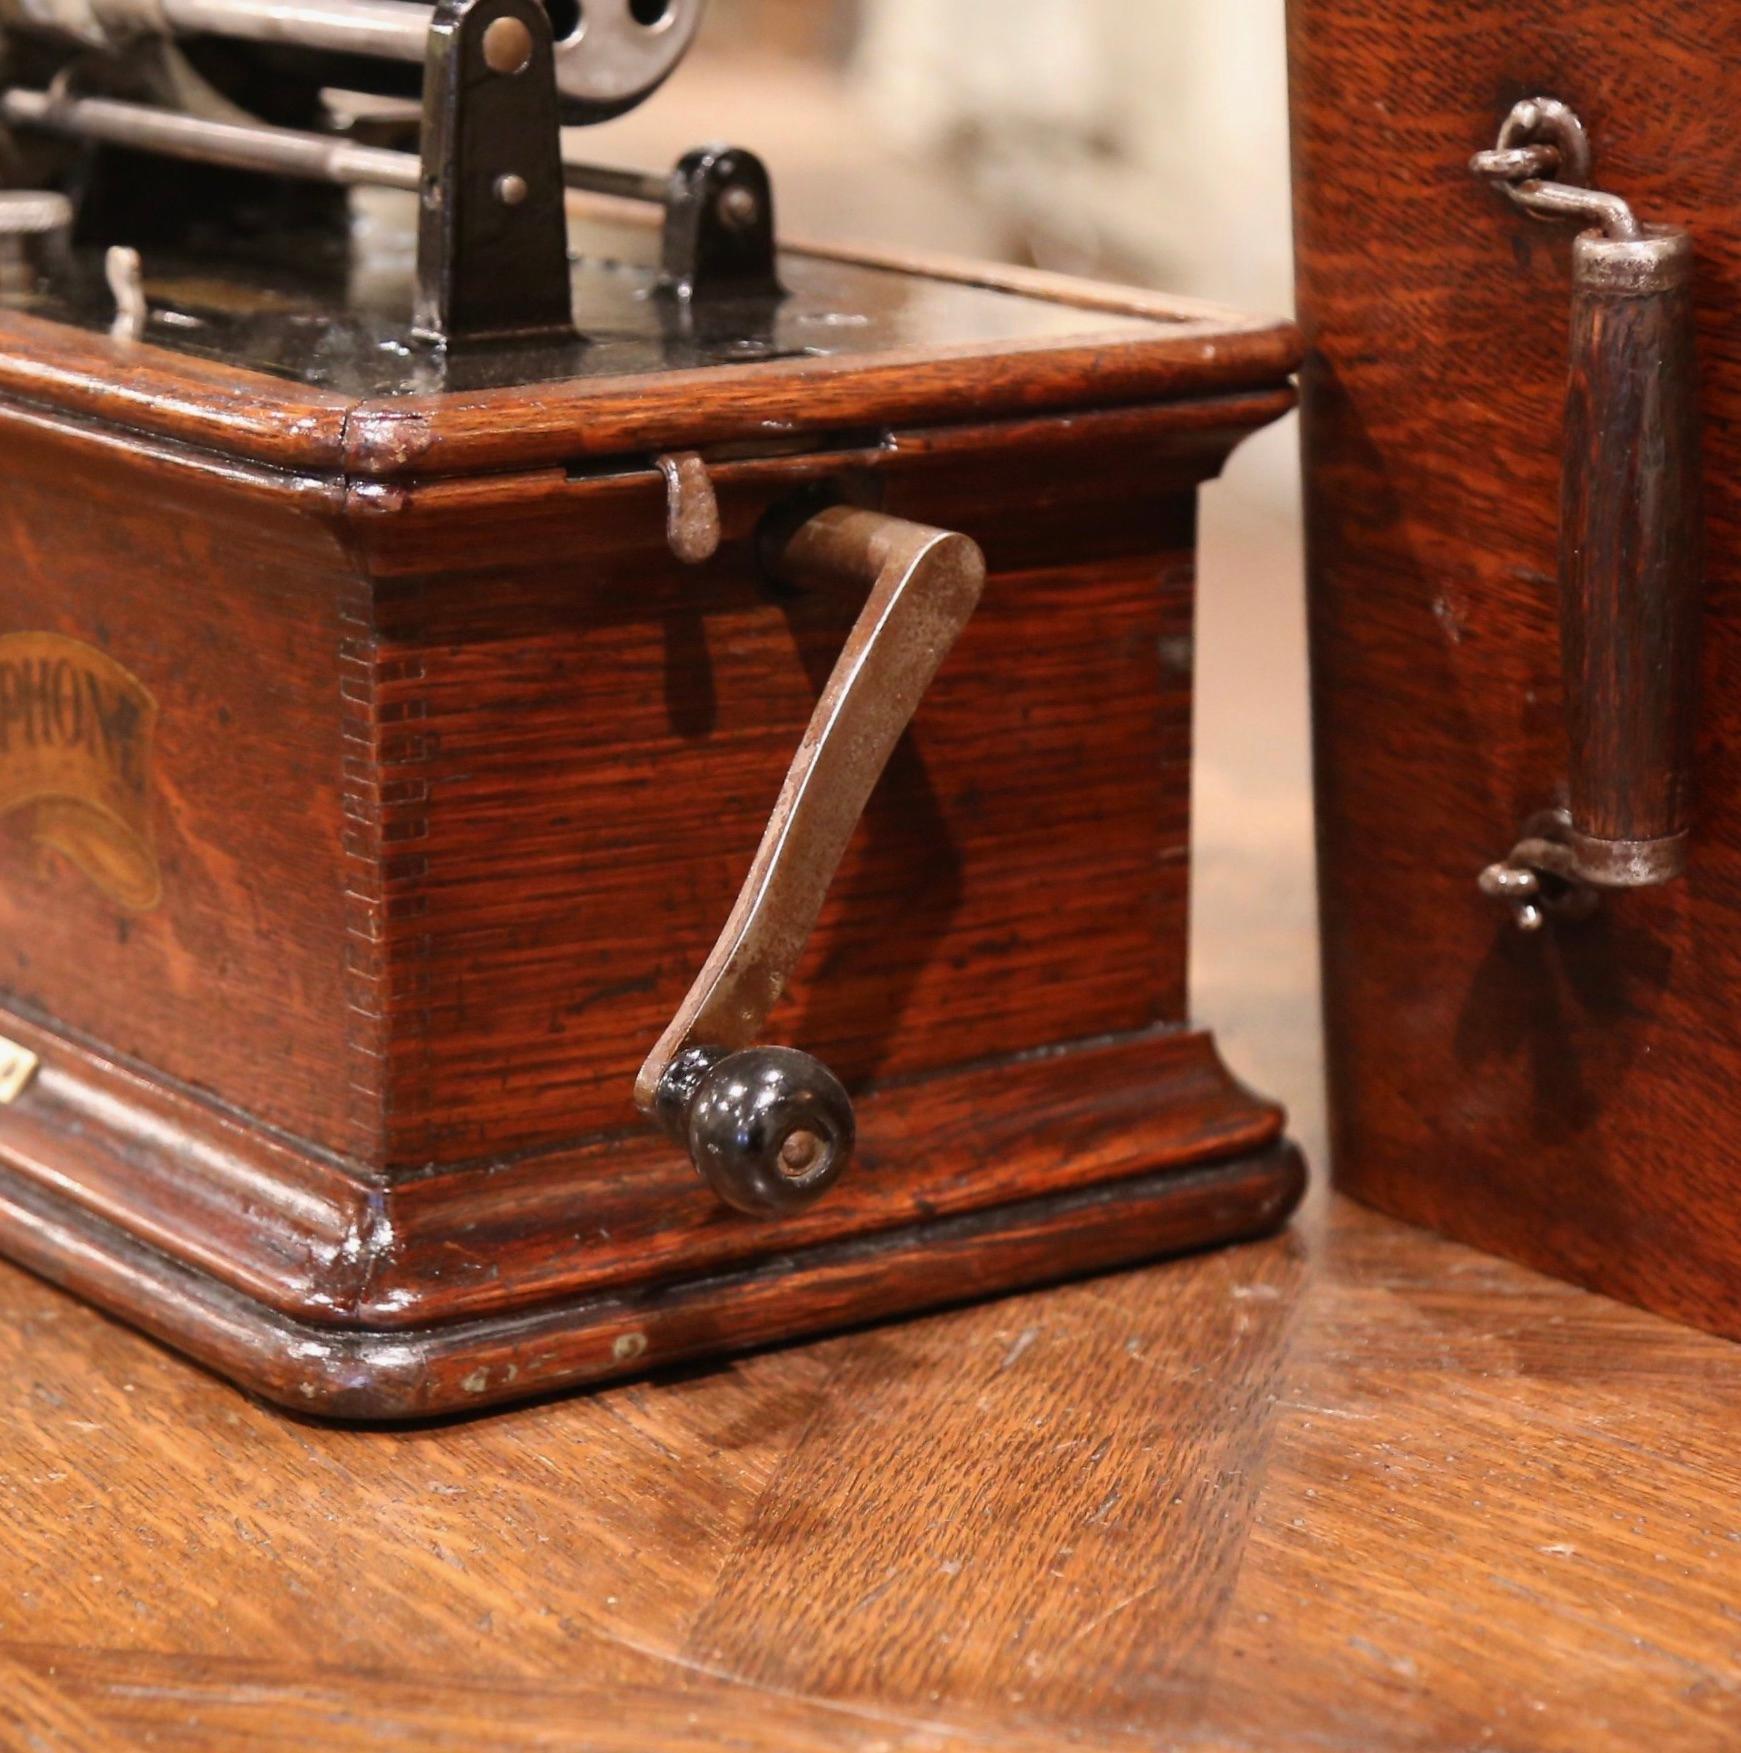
(1540, 875)
(692, 528)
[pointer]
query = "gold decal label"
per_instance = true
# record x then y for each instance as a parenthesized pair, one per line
(75, 761)
(17, 1067)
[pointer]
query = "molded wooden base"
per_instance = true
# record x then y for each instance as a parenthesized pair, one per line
(372, 1374)
(325, 1286)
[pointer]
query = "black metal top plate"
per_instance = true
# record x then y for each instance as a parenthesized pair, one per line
(326, 313)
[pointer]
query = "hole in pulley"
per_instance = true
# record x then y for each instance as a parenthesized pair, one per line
(650, 14)
(567, 19)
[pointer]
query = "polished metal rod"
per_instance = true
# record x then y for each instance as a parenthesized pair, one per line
(616, 55)
(241, 146)
(395, 30)
(607, 179)
(273, 151)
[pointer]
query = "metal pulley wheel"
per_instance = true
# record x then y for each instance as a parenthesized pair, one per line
(610, 54)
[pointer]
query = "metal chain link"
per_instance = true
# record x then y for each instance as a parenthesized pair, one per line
(1541, 135)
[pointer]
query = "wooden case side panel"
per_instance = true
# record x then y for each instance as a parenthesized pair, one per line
(603, 733)
(204, 603)
(1565, 1098)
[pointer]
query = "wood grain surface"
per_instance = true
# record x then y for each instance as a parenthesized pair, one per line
(1355, 1488)
(108, 539)
(1566, 1098)
(303, 1237)
(490, 765)
(459, 770)
(599, 736)
(1631, 566)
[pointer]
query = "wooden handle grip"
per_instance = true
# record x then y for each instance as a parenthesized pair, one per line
(1630, 556)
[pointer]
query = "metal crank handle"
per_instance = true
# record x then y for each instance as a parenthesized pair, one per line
(1630, 583)
(769, 1128)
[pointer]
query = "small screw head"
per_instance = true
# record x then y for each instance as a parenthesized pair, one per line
(738, 207)
(511, 190)
(507, 46)
(799, 1153)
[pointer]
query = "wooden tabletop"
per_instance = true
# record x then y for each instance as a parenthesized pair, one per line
(1355, 1488)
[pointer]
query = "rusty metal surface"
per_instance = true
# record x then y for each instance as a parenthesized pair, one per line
(1542, 134)
(691, 508)
(923, 585)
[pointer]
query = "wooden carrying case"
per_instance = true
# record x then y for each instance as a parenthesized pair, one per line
(376, 781)
(1510, 629)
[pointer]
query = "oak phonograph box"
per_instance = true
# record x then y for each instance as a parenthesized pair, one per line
(578, 789)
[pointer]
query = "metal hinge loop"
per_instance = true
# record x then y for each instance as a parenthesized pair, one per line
(1542, 162)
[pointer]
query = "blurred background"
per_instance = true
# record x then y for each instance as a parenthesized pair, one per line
(1142, 141)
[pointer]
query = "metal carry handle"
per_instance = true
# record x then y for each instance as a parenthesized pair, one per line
(1630, 535)
(770, 1128)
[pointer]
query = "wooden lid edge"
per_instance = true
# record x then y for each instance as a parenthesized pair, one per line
(456, 434)
(128, 384)
(254, 417)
